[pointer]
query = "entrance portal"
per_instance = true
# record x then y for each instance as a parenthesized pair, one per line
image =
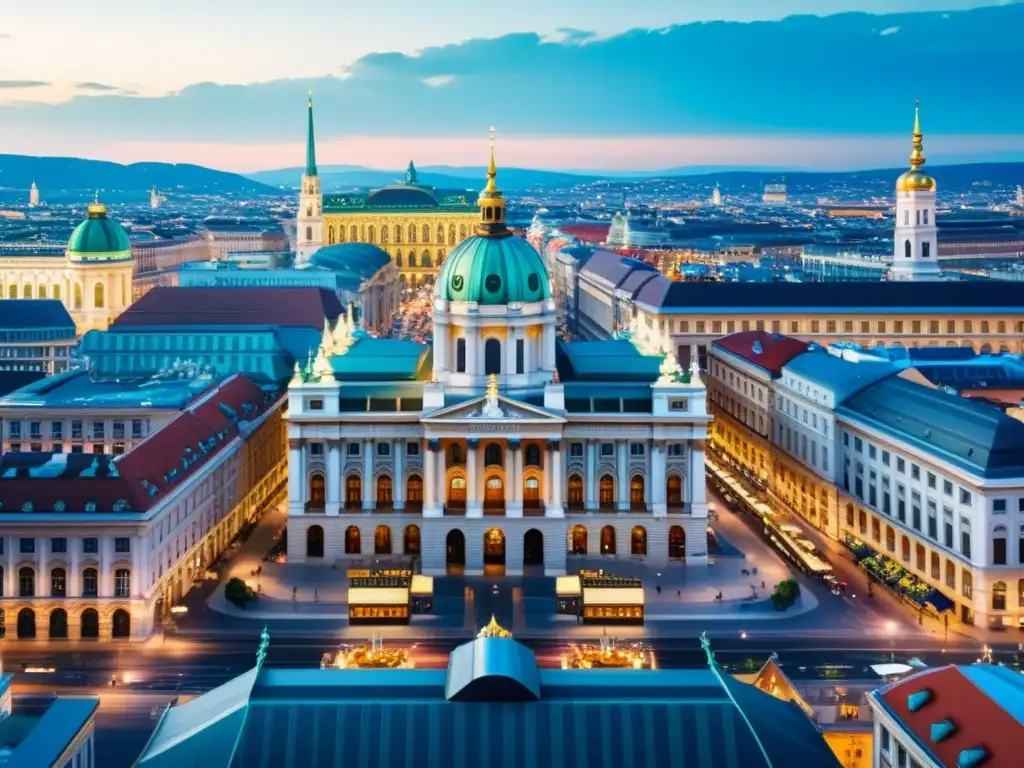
(494, 547)
(455, 546)
(494, 494)
(533, 547)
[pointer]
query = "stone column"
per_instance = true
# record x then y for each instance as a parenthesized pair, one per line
(440, 345)
(555, 470)
(430, 488)
(548, 353)
(333, 477)
(696, 489)
(517, 477)
(296, 478)
(369, 491)
(590, 480)
(508, 365)
(656, 486)
(622, 475)
(474, 507)
(510, 482)
(475, 553)
(398, 481)
(74, 569)
(472, 345)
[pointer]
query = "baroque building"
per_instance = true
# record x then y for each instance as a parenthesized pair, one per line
(499, 445)
(93, 279)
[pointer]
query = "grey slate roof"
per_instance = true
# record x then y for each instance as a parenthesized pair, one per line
(843, 377)
(17, 314)
(670, 296)
(612, 267)
(973, 436)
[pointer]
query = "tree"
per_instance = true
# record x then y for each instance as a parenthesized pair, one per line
(238, 592)
(785, 594)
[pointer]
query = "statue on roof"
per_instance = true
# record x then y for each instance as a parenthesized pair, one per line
(297, 375)
(411, 177)
(493, 629)
(491, 409)
(322, 368)
(670, 370)
(695, 379)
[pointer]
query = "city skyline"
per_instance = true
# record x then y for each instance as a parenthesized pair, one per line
(611, 99)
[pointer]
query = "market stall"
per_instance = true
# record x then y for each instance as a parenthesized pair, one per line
(612, 599)
(387, 596)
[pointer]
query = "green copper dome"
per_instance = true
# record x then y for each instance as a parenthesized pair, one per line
(493, 270)
(98, 238)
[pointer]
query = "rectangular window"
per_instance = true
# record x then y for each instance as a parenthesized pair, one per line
(383, 449)
(14, 430)
(91, 545)
(352, 449)
(460, 355)
(965, 496)
(58, 583)
(35, 430)
(122, 545)
(316, 404)
(27, 546)
(607, 449)
(576, 449)
(76, 430)
(636, 449)
(999, 551)
(931, 480)
(682, 404)
(901, 466)
(98, 429)
(858, 446)
(412, 448)
(59, 546)
(56, 430)
(999, 506)
(316, 449)
(119, 430)
(136, 428)
(915, 472)
(520, 355)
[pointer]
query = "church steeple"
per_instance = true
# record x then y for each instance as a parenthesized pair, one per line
(310, 142)
(492, 204)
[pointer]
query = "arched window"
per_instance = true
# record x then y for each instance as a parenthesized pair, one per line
(41, 292)
(531, 493)
(905, 549)
(382, 540)
(460, 355)
(606, 491)
(925, 215)
(371, 234)
(676, 542)
(58, 624)
(414, 490)
(531, 455)
(426, 233)
(412, 258)
(398, 233)
(58, 582)
(462, 232)
(26, 292)
(1020, 593)
(330, 235)
(440, 256)
(906, 217)
(411, 540)
(674, 491)
(575, 492)
(492, 356)
(999, 596)
(862, 521)
(890, 539)
(440, 234)
(636, 492)
(121, 624)
(316, 489)
(638, 541)
(579, 540)
(26, 582)
(12, 292)
(492, 455)
(412, 233)
(90, 620)
(353, 234)
(90, 582)
(384, 491)
(425, 260)
(451, 235)
(122, 582)
(999, 546)
(78, 296)
(315, 541)
(398, 258)
(906, 249)
(341, 233)
(353, 545)
(607, 540)
(926, 249)
(384, 235)
(26, 624)
(353, 490)
(309, 234)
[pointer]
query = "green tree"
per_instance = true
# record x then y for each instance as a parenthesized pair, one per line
(238, 592)
(785, 594)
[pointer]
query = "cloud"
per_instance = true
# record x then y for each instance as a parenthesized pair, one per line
(889, 31)
(22, 83)
(436, 81)
(686, 79)
(95, 87)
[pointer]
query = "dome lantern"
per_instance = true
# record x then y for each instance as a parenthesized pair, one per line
(916, 180)
(492, 204)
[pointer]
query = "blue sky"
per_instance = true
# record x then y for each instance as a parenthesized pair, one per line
(220, 82)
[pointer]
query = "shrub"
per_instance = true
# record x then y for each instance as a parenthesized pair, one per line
(238, 592)
(785, 594)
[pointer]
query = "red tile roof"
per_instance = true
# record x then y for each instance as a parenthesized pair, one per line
(586, 233)
(980, 720)
(289, 307)
(775, 350)
(158, 464)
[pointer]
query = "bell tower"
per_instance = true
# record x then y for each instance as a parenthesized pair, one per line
(915, 236)
(309, 231)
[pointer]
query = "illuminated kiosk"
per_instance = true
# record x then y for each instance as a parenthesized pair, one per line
(602, 598)
(387, 596)
(373, 656)
(608, 656)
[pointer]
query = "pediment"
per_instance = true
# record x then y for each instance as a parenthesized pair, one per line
(477, 410)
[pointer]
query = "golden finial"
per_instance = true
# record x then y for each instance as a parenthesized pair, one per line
(492, 171)
(917, 155)
(96, 209)
(96, 197)
(493, 629)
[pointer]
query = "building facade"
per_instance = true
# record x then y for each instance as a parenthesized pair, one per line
(36, 339)
(500, 446)
(93, 279)
(102, 548)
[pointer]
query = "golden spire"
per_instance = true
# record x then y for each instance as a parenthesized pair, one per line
(491, 190)
(917, 155)
(493, 629)
(96, 209)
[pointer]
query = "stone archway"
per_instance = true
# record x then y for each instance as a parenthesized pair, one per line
(676, 542)
(533, 547)
(353, 543)
(455, 550)
(608, 540)
(457, 491)
(121, 625)
(90, 621)
(26, 624)
(638, 540)
(579, 540)
(494, 547)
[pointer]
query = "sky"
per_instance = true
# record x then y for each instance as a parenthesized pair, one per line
(223, 82)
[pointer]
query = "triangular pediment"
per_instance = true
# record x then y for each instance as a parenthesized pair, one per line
(476, 410)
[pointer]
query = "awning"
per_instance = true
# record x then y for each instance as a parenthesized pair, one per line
(939, 601)
(567, 586)
(378, 596)
(891, 670)
(613, 596)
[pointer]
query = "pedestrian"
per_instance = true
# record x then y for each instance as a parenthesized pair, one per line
(316, 595)
(657, 589)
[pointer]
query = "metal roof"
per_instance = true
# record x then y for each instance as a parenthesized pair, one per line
(382, 360)
(491, 667)
(55, 731)
(606, 360)
(28, 314)
(842, 377)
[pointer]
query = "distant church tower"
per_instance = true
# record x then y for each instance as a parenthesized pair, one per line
(915, 238)
(33, 196)
(716, 196)
(154, 199)
(309, 233)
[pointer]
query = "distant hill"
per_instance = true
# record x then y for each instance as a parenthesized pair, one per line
(73, 174)
(337, 177)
